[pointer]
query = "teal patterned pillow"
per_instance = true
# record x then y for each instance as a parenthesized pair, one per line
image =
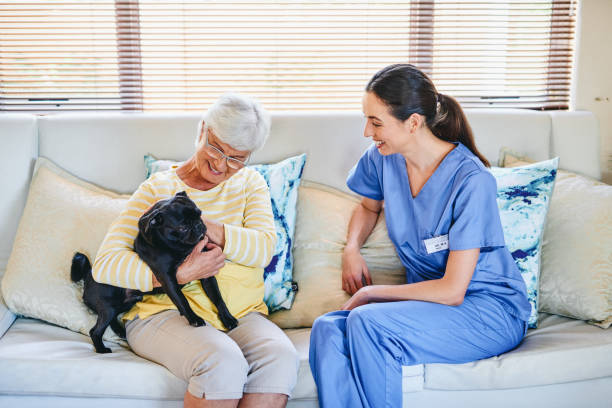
(153, 165)
(523, 196)
(283, 179)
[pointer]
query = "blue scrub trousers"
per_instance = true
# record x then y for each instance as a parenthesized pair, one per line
(356, 357)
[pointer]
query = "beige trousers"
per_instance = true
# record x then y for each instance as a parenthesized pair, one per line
(255, 357)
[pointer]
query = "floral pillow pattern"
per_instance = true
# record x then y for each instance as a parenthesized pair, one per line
(523, 197)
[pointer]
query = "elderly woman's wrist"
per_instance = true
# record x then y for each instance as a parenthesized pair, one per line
(215, 232)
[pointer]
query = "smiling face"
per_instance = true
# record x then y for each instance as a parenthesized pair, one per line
(390, 134)
(211, 164)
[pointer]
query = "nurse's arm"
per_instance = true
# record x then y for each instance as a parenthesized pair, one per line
(449, 290)
(361, 224)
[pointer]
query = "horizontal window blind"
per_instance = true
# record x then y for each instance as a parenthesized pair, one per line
(307, 55)
(58, 55)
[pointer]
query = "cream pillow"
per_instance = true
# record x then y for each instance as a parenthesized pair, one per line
(63, 214)
(576, 277)
(576, 273)
(323, 214)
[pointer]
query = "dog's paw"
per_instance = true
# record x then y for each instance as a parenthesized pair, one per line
(230, 322)
(196, 321)
(103, 350)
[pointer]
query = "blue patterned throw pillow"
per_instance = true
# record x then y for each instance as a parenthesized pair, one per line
(153, 165)
(283, 179)
(523, 196)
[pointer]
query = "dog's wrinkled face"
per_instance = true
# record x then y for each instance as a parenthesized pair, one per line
(174, 223)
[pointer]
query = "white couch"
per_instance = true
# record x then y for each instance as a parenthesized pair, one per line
(563, 363)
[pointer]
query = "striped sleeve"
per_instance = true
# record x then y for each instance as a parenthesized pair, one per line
(253, 244)
(116, 262)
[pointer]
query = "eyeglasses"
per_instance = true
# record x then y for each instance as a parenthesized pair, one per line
(217, 154)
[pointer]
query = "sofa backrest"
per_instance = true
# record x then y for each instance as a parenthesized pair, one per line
(18, 152)
(108, 148)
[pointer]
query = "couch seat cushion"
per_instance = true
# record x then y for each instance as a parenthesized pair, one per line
(559, 350)
(37, 358)
(42, 359)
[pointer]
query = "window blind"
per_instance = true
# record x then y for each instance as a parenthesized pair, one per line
(308, 55)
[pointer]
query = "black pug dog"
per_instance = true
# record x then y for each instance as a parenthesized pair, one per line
(168, 232)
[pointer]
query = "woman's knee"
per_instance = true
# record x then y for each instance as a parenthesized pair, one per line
(276, 357)
(220, 374)
(275, 369)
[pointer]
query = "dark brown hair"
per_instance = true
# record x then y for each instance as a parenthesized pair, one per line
(407, 90)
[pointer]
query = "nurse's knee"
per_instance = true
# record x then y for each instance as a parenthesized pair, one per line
(363, 321)
(330, 324)
(360, 317)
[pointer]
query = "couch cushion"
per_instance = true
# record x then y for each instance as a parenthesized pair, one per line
(559, 350)
(575, 138)
(37, 358)
(333, 142)
(323, 214)
(523, 198)
(527, 131)
(577, 255)
(576, 277)
(41, 359)
(63, 215)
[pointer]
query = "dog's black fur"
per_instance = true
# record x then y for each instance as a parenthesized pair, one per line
(168, 232)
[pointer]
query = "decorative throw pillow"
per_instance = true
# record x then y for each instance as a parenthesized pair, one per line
(283, 179)
(63, 214)
(576, 271)
(153, 165)
(523, 196)
(323, 214)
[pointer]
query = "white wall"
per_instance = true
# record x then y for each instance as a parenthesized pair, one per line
(592, 89)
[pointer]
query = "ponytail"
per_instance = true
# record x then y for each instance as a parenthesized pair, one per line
(451, 125)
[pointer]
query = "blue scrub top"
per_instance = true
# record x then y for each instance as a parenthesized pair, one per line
(459, 199)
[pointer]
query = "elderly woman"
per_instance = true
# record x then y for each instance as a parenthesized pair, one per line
(255, 363)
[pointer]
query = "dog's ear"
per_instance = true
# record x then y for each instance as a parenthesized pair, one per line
(152, 219)
(158, 220)
(181, 194)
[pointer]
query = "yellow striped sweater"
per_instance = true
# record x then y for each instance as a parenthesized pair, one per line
(241, 203)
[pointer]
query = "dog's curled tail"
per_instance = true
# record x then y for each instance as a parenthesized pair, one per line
(80, 267)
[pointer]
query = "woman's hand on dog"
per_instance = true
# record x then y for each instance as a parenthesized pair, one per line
(201, 265)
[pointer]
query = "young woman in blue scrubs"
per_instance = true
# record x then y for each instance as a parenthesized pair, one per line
(464, 298)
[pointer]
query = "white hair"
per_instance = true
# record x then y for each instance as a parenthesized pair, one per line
(237, 120)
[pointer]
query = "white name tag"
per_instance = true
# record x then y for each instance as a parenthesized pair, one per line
(436, 244)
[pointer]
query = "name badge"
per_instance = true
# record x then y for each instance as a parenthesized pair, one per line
(436, 244)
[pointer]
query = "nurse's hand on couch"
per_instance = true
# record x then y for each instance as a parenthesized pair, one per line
(355, 274)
